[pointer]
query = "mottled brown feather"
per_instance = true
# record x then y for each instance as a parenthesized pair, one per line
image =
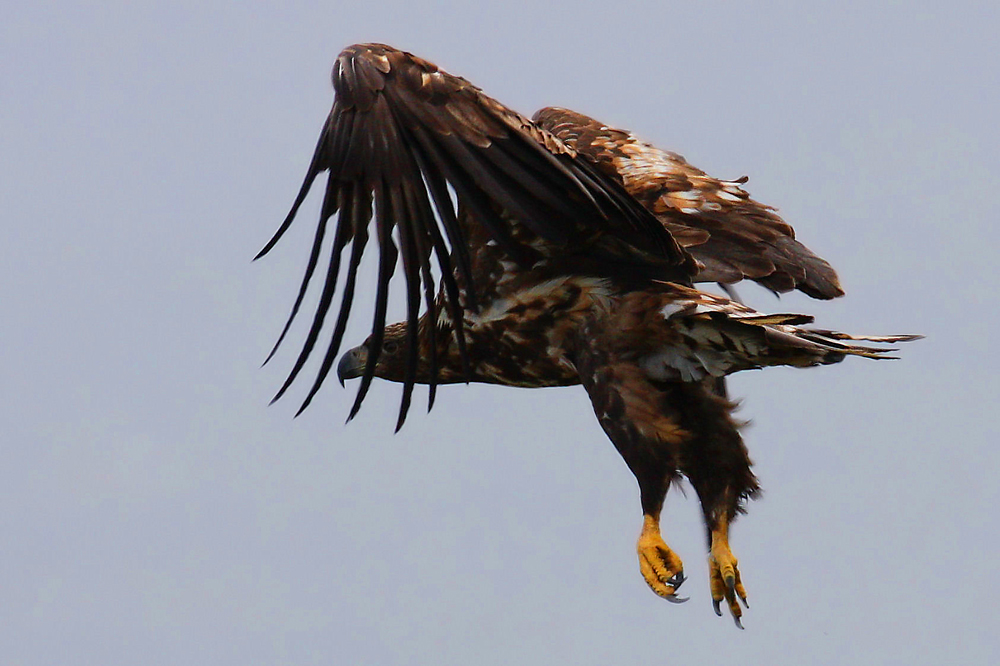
(730, 234)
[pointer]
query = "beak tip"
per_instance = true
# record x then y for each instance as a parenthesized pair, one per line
(349, 366)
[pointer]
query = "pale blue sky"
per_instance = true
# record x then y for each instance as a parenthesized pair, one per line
(155, 510)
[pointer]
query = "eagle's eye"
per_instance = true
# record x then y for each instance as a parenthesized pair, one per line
(390, 346)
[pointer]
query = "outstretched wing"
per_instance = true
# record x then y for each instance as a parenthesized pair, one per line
(730, 234)
(401, 133)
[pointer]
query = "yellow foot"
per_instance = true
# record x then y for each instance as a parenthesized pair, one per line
(724, 578)
(660, 566)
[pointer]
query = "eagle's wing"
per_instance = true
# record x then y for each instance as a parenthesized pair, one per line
(401, 133)
(730, 234)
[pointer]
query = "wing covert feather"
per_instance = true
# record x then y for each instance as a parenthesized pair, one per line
(730, 234)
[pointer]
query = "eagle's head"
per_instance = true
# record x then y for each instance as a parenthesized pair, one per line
(391, 362)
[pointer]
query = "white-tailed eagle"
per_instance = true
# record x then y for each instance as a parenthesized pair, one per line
(570, 258)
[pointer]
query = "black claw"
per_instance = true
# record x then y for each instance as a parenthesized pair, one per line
(676, 580)
(717, 604)
(674, 599)
(738, 623)
(745, 604)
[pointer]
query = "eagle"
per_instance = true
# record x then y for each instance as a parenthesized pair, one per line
(557, 251)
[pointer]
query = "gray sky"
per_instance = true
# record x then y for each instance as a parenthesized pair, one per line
(156, 511)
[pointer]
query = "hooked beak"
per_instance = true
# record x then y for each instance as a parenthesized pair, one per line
(352, 364)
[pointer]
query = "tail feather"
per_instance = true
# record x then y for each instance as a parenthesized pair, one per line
(888, 339)
(831, 339)
(721, 336)
(823, 346)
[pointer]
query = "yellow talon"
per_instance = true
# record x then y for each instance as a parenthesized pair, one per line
(724, 576)
(661, 567)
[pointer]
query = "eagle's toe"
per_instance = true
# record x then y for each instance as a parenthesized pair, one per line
(661, 568)
(725, 582)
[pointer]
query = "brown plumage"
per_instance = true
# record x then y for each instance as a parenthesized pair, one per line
(569, 259)
(728, 233)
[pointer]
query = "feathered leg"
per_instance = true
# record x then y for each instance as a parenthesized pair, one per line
(647, 436)
(716, 463)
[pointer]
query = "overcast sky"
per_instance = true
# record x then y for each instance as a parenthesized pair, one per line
(155, 510)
